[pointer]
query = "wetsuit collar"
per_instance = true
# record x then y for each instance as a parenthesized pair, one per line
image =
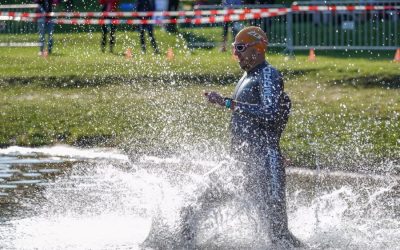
(257, 67)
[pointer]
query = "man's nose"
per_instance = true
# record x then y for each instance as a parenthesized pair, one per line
(235, 52)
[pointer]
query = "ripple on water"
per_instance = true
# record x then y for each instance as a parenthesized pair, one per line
(24, 182)
(31, 174)
(8, 186)
(10, 171)
(33, 161)
(4, 166)
(5, 175)
(49, 170)
(5, 160)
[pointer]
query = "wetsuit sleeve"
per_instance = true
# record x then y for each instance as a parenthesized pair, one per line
(271, 88)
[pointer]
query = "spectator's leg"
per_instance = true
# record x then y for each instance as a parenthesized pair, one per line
(152, 39)
(224, 36)
(112, 37)
(103, 38)
(69, 5)
(41, 27)
(172, 6)
(267, 1)
(50, 31)
(142, 41)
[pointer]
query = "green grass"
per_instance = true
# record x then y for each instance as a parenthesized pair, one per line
(346, 108)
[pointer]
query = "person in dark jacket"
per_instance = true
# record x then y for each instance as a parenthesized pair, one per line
(69, 5)
(144, 6)
(260, 110)
(45, 25)
(228, 4)
(108, 6)
(173, 5)
(259, 2)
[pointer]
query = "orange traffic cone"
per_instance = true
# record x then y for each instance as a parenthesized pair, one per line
(170, 54)
(128, 53)
(397, 56)
(311, 56)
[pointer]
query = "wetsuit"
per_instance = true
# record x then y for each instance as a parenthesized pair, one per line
(259, 117)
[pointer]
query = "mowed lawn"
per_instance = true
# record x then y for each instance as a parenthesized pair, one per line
(346, 106)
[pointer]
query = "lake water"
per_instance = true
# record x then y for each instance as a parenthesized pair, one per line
(63, 197)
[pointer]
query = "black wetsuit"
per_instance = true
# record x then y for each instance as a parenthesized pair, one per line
(260, 114)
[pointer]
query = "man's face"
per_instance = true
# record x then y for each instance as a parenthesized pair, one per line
(248, 56)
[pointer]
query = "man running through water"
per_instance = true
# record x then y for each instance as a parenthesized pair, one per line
(260, 110)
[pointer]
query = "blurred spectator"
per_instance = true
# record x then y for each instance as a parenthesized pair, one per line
(199, 2)
(257, 22)
(108, 6)
(172, 6)
(142, 6)
(227, 4)
(45, 25)
(259, 1)
(69, 5)
(161, 5)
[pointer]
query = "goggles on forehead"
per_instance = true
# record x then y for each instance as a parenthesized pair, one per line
(241, 47)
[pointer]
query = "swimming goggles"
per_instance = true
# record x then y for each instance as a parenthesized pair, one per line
(241, 47)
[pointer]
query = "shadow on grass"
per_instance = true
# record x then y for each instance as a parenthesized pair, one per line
(352, 54)
(292, 73)
(373, 81)
(74, 81)
(195, 41)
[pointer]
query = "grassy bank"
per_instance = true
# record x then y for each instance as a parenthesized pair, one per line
(345, 110)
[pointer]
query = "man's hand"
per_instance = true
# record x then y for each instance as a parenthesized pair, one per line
(214, 97)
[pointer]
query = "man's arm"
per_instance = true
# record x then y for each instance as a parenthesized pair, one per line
(216, 98)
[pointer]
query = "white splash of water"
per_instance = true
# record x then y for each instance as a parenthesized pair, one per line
(66, 152)
(101, 205)
(80, 232)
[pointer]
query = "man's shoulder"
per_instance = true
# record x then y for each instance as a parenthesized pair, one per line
(268, 72)
(272, 69)
(274, 72)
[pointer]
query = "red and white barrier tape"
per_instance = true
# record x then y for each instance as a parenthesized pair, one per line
(213, 16)
(200, 20)
(142, 14)
(297, 8)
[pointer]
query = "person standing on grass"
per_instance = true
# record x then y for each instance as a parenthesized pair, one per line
(228, 4)
(45, 25)
(173, 5)
(108, 6)
(144, 6)
(260, 110)
(69, 5)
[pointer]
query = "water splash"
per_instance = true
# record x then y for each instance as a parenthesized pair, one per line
(105, 204)
(65, 152)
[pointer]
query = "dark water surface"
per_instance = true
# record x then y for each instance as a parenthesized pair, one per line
(68, 198)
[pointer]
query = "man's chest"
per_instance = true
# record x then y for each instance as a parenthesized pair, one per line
(248, 91)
